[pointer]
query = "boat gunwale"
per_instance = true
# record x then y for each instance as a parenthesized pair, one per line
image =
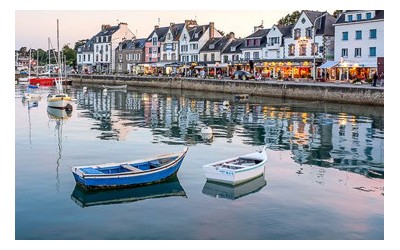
(76, 170)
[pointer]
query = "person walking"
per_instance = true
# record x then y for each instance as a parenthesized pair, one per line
(375, 78)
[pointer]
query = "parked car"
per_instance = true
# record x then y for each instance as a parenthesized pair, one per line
(241, 74)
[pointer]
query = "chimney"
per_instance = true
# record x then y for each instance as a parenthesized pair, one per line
(257, 28)
(190, 23)
(156, 27)
(231, 35)
(104, 27)
(211, 30)
(171, 24)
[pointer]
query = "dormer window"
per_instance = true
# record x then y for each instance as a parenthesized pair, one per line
(297, 33)
(233, 48)
(350, 18)
(196, 35)
(211, 46)
(368, 15)
(359, 17)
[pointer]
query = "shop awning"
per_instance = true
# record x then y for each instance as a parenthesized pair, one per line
(328, 64)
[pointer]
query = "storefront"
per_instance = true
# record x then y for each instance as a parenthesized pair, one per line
(347, 71)
(284, 69)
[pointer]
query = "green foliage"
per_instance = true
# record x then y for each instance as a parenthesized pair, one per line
(337, 13)
(70, 55)
(290, 18)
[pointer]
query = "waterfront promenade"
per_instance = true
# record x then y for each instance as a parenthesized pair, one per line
(336, 92)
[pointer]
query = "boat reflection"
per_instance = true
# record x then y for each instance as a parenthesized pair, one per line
(86, 198)
(233, 192)
(58, 114)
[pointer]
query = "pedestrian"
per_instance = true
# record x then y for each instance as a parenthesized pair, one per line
(375, 79)
(382, 79)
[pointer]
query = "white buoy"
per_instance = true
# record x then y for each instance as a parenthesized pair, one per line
(225, 103)
(206, 130)
(84, 88)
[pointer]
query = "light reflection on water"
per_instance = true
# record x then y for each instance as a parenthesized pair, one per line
(322, 158)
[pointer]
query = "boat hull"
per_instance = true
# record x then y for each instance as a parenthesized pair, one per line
(132, 179)
(43, 82)
(59, 102)
(233, 177)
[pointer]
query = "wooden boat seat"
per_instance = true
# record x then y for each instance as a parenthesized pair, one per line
(234, 166)
(131, 168)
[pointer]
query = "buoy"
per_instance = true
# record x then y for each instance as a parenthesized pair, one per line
(206, 130)
(225, 103)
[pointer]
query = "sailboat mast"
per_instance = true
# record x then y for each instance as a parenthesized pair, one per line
(48, 46)
(58, 49)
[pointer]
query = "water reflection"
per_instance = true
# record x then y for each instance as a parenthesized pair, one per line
(58, 116)
(220, 190)
(351, 140)
(168, 188)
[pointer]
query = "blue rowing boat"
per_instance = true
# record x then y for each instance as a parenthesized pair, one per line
(132, 173)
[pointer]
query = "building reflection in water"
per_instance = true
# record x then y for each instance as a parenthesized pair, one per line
(344, 140)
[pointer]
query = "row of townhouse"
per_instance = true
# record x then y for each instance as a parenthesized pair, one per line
(342, 48)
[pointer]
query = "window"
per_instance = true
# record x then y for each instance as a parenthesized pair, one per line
(321, 49)
(350, 18)
(303, 50)
(372, 34)
(358, 34)
(372, 51)
(84, 57)
(97, 48)
(233, 48)
(120, 56)
(212, 57)
(106, 47)
(205, 57)
(256, 55)
(164, 57)
(369, 15)
(250, 42)
(150, 50)
(291, 49)
(101, 49)
(247, 55)
(309, 33)
(345, 52)
(359, 17)
(195, 58)
(225, 59)
(106, 57)
(97, 58)
(345, 36)
(297, 33)
(314, 48)
(154, 40)
(79, 58)
(173, 55)
(169, 36)
(211, 46)
(357, 52)
(278, 54)
(88, 57)
(266, 54)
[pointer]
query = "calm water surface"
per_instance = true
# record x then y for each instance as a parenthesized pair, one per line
(324, 178)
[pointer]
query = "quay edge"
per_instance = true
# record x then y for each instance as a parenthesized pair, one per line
(327, 92)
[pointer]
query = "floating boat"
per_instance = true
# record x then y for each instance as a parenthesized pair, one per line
(225, 191)
(237, 169)
(32, 93)
(131, 173)
(86, 198)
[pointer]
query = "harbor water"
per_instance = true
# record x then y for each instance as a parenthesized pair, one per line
(324, 179)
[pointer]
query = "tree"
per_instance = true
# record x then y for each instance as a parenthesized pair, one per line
(23, 51)
(337, 13)
(70, 55)
(290, 18)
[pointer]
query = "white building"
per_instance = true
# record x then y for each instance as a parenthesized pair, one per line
(359, 42)
(105, 43)
(170, 43)
(300, 47)
(193, 38)
(274, 48)
(85, 57)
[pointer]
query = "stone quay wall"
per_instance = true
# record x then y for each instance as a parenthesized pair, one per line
(327, 92)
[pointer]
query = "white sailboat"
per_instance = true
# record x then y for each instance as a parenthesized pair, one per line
(32, 92)
(59, 100)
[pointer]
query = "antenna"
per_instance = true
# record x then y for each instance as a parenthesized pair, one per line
(158, 22)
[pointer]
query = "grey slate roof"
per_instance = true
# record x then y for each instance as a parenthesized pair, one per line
(259, 33)
(379, 15)
(324, 26)
(238, 43)
(89, 45)
(220, 44)
(286, 30)
(133, 44)
(108, 31)
(176, 30)
(197, 30)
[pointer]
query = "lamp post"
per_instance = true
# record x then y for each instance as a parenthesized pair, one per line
(314, 30)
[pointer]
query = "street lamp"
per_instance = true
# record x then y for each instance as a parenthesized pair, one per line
(314, 31)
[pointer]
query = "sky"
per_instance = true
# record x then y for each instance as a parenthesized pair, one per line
(30, 23)
(77, 24)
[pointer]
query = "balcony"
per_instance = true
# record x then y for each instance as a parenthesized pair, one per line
(273, 46)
